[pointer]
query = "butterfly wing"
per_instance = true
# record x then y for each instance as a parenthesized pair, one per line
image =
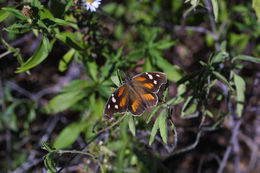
(118, 101)
(150, 81)
(140, 99)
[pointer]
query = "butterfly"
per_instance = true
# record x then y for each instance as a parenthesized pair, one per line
(136, 94)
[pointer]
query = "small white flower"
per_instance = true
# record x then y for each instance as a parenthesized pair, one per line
(91, 5)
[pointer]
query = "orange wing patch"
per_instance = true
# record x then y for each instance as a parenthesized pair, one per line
(148, 85)
(135, 105)
(140, 79)
(122, 101)
(121, 90)
(148, 97)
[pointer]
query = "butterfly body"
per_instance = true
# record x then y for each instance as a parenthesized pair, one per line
(136, 94)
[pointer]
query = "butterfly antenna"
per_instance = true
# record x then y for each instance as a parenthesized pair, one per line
(126, 77)
(123, 73)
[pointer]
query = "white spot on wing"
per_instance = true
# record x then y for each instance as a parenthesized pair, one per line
(116, 106)
(146, 73)
(157, 75)
(108, 106)
(155, 82)
(113, 99)
(150, 76)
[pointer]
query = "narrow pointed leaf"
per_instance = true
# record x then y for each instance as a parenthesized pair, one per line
(67, 136)
(154, 131)
(131, 124)
(240, 89)
(39, 55)
(163, 125)
(222, 79)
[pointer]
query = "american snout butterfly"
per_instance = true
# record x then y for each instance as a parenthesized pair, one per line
(136, 94)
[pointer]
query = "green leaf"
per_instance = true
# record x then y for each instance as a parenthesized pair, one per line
(93, 70)
(131, 124)
(188, 107)
(68, 5)
(36, 3)
(163, 125)
(50, 163)
(223, 46)
(220, 57)
(64, 101)
(39, 55)
(11, 118)
(19, 28)
(76, 85)
(164, 44)
(47, 147)
(153, 113)
(222, 79)
(240, 89)
(68, 38)
(67, 136)
(154, 131)
(256, 6)
(192, 2)
(209, 113)
(215, 9)
(173, 72)
(64, 23)
(147, 65)
(115, 80)
(15, 12)
(3, 15)
(66, 59)
(180, 95)
(239, 41)
(247, 58)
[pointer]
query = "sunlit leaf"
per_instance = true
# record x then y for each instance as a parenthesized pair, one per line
(39, 55)
(68, 38)
(19, 28)
(173, 72)
(215, 9)
(93, 70)
(131, 124)
(222, 79)
(115, 80)
(163, 125)
(67, 136)
(220, 57)
(76, 85)
(66, 59)
(50, 163)
(3, 15)
(164, 44)
(247, 58)
(153, 113)
(188, 107)
(240, 89)
(64, 101)
(154, 131)
(256, 6)
(15, 12)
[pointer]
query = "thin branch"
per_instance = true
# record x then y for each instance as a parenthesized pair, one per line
(5, 53)
(188, 148)
(212, 24)
(20, 40)
(254, 151)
